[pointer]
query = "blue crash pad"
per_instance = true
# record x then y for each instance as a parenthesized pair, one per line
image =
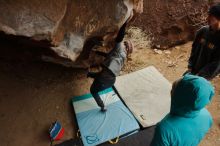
(97, 127)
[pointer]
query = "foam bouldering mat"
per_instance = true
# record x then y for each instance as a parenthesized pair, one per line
(98, 127)
(146, 93)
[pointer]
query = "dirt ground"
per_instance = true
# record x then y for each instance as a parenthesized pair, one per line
(32, 95)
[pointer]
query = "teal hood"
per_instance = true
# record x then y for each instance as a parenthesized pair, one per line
(191, 94)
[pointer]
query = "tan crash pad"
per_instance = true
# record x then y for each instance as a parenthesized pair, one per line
(146, 93)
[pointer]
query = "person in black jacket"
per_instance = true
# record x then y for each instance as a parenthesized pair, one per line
(111, 67)
(205, 55)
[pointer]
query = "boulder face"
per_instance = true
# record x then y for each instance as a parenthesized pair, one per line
(64, 31)
(65, 26)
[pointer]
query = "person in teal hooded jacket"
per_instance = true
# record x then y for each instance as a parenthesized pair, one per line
(188, 120)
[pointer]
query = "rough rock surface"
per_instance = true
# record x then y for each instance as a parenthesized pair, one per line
(71, 27)
(172, 22)
(65, 25)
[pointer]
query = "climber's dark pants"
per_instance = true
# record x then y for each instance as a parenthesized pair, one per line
(98, 85)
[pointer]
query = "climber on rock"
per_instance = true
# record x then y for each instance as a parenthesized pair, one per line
(111, 67)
